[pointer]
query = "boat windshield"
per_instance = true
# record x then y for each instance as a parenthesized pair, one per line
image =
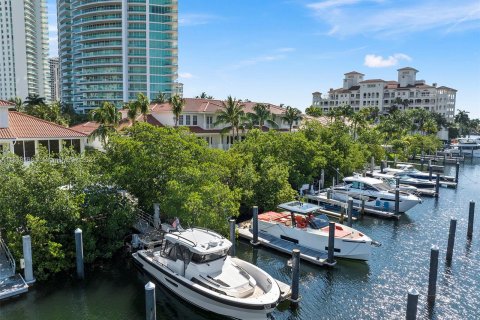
(204, 258)
(319, 222)
(382, 186)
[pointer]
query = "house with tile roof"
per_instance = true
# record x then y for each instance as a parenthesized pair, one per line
(200, 115)
(360, 93)
(23, 134)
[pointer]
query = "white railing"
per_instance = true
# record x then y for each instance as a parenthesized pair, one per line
(8, 254)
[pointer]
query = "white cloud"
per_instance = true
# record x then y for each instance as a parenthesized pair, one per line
(374, 61)
(387, 18)
(195, 19)
(185, 75)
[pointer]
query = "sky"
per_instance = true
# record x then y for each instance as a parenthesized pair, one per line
(280, 51)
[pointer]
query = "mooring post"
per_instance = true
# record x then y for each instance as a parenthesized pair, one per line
(338, 175)
(372, 164)
(331, 242)
(432, 275)
(295, 297)
(349, 212)
(437, 185)
(79, 253)
(457, 169)
(322, 179)
(397, 182)
(412, 303)
(27, 257)
(156, 215)
(471, 214)
(329, 194)
(233, 253)
(395, 161)
(422, 160)
(451, 238)
(444, 160)
(382, 166)
(362, 211)
(430, 170)
(255, 226)
(397, 200)
(150, 303)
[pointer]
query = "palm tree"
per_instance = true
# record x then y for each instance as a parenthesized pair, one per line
(463, 121)
(359, 121)
(231, 113)
(290, 115)
(314, 111)
(177, 104)
(132, 111)
(263, 115)
(160, 98)
(203, 95)
(34, 100)
(143, 105)
(108, 117)
(18, 103)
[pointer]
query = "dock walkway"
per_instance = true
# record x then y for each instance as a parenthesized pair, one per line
(11, 284)
(307, 254)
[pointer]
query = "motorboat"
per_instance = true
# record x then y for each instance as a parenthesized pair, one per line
(376, 194)
(193, 263)
(300, 223)
(407, 183)
(468, 146)
(407, 170)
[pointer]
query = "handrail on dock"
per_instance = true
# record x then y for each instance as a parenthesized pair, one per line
(8, 254)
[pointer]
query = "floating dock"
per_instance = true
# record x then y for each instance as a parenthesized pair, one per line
(310, 255)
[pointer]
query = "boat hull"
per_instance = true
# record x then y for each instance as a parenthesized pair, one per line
(344, 248)
(196, 296)
(375, 202)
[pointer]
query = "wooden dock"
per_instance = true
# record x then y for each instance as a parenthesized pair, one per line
(307, 254)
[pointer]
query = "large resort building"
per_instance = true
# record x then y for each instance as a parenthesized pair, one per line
(360, 93)
(24, 50)
(113, 50)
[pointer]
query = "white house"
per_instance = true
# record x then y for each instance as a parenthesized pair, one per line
(23, 134)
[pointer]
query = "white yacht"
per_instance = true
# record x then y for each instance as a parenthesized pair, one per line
(375, 192)
(193, 264)
(468, 146)
(301, 225)
(407, 183)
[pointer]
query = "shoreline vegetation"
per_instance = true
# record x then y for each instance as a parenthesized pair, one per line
(201, 186)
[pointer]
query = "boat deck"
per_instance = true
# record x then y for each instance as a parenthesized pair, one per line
(307, 254)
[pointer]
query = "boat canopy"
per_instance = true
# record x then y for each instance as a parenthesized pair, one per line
(299, 207)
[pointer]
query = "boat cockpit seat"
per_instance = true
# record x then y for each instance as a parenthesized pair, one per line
(300, 221)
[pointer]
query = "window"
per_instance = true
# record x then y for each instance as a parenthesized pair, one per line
(194, 120)
(180, 121)
(209, 122)
(187, 120)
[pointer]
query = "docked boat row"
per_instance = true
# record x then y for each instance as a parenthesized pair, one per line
(466, 146)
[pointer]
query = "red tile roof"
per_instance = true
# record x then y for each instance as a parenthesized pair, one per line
(407, 68)
(6, 103)
(87, 127)
(22, 126)
(354, 72)
(210, 106)
(372, 81)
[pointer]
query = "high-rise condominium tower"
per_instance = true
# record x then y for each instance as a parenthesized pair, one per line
(112, 50)
(54, 79)
(24, 49)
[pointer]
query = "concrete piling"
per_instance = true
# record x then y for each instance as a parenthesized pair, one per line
(432, 275)
(331, 242)
(437, 186)
(295, 297)
(471, 214)
(150, 301)
(382, 166)
(349, 212)
(337, 176)
(255, 226)
(451, 238)
(329, 194)
(412, 303)
(27, 257)
(79, 253)
(322, 179)
(397, 182)
(457, 169)
(430, 170)
(233, 251)
(444, 159)
(422, 161)
(372, 164)
(362, 211)
(156, 215)
(397, 200)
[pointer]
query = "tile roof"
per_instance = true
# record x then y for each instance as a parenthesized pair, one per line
(209, 106)
(372, 81)
(354, 72)
(23, 126)
(447, 88)
(86, 127)
(407, 68)
(5, 103)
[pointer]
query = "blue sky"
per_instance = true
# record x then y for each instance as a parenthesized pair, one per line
(280, 51)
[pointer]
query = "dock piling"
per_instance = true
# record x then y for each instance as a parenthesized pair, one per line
(150, 301)
(255, 227)
(397, 200)
(329, 194)
(349, 212)
(372, 164)
(295, 298)
(444, 159)
(437, 185)
(412, 303)
(233, 253)
(432, 275)
(79, 253)
(27, 257)
(331, 242)
(451, 238)
(322, 179)
(362, 211)
(382, 166)
(430, 170)
(156, 215)
(422, 160)
(337, 176)
(457, 169)
(471, 214)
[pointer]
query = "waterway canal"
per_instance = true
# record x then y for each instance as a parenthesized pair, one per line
(373, 290)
